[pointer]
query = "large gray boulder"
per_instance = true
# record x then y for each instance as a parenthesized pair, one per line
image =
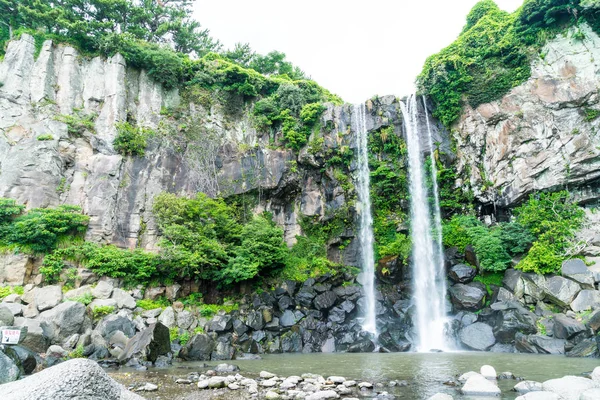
(167, 317)
(567, 328)
(513, 282)
(37, 339)
(103, 290)
(561, 291)
(124, 299)
(586, 348)
(539, 344)
(10, 368)
(199, 347)
(569, 387)
(325, 300)
(477, 336)
(586, 300)
(6, 316)
(575, 269)
(478, 385)
(74, 379)
(467, 297)
(511, 317)
(462, 273)
(63, 321)
(148, 344)
(47, 297)
(114, 322)
(220, 323)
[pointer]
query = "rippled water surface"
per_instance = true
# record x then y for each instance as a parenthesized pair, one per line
(424, 372)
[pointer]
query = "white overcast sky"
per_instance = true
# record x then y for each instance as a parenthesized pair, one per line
(354, 48)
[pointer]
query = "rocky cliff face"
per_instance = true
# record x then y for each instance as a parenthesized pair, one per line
(39, 93)
(543, 134)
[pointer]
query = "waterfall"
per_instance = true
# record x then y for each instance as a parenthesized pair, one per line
(428, 271)
(366, 220)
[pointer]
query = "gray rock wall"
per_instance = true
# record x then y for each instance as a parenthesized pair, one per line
(117, 192)
(537, 136)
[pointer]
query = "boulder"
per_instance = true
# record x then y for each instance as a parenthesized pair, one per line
(509, 318)
(36, 339)
(533, 287)
(477, 336)
(528, 386)
(488, 372)
(586, 300)
(64, 320)
(74, 379)
(325, 300)
(103, 290)
(323, 394)
(569, 387)
(576, 270)
(114, 322)
(12, 298)
(124, 299)
(199, 348)
(477, 385)
(28, 358)
(467, 297)
(539, 344)
(47, 297)
(10, 368)
(567, 328)
(590, 394)
(462, 273)
(78, 293)
(594, 322)
(255, 320)
(585, 348)
(291, 342)
(167, 317)
(185, 319)
(287, 319)
(561, 291)
(539, 396)
(513, 282)
(148, 344)
(6, 316)
(223, 349)
(153, 293)
(220, 323)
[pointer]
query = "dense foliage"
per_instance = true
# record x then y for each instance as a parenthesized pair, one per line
(542, 232)
(131, 140)
(494, 50)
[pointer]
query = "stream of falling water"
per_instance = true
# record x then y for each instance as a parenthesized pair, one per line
(429, 286)
(366, 220)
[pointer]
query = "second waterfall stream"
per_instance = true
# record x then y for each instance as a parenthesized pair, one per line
(429, 282)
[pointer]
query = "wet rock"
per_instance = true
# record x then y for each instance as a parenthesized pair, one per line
(567, 328)
(569, 387)
(217, 382)
(576, 270)
(488, 372)
(287, 319)
(223, 348)
(323, 394)
(478, 336)
(27, 357)
(10, 366)
(325, 300)
(337, 315)
(503, 348)
(148, 344)
(513, 282)
(199, 347)
(467, 297)
(539, 344)
(561, 291)
(477, 385)
(528, 386)
(362, 346)
(510, 318)
(291, 342)
(224, 368)
(585, 348)
(462, 273)
(185, 319)
(147, 387)
(255, 320)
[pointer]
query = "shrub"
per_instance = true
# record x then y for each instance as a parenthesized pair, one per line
(311, 113)
(131, 140)
(84, 299)
(102, 311)
(148, 304)
(77, 353)
(78, 123)
(41, 229)
(44, 137)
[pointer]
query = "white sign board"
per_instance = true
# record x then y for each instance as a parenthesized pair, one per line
(11, 336)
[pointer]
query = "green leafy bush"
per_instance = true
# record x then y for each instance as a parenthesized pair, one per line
(84, 299)
(45, 137)
(148, 304)
(102, 311)
(493, 52)
(41, 229)
(131, 140)
(78, 123)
